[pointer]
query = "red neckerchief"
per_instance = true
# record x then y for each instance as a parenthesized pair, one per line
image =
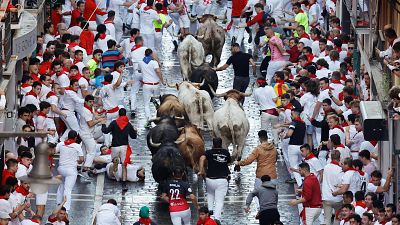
(344, 124)
(105, 83)
(35, 77)
(51, 93)
(70, 89)
(39, 54)
(147, 8)
(316, 38)
(343, 78)
(339, 49)
(89, 108)
(31, 93)
(361, 204)
(77, 60)
(24, 85)
(298, 119)
(42, 114)
(35, 221)
(335, 81)
(373, 143)
(350, 68)
(346, 219)
(362, 173)
(349, 169)
(338, 127)
(69, 141)
(301, 11)
(136, 47)
(131, 39)
(289, 106)
(65, 70)
(145, 221)
(305, 35)
(310, 57)
(22, 191)
(102, 36)
(334, 162)
(76, 77)
(341, 145)
(310, 156)
(73, 45)
(107, 21)
(122, 122)
(3, 197)
(97, 61)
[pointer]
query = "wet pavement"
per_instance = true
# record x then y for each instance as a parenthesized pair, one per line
(87, 196)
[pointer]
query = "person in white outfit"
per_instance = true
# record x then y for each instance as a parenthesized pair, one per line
(108, 214)
(151, 80)
(147, 15)
(116, 6)
(136, 55)
(70, 155)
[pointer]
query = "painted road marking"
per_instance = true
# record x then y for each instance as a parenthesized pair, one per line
(98, 199)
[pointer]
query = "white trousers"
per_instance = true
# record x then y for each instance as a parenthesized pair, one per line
(294, 161)
(285, 151)
(149, 40)
(110, 117)
(89, 147)
(216, 191)
(178, 217)
(200, 9)
(268, 120)
(118, 24)
(238, 32)
(311, 215)
(148, 92)
(158, 41)
(137, 77)
(322, 157)
(175, 18)
(67, 184)
(272, 68)
(71, 121)
(41, 199)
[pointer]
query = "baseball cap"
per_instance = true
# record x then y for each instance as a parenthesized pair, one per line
(4, 215)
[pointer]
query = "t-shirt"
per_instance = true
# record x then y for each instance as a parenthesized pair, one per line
(147, 16)
(372, 188)
(315, 166)
(276, 54)
(331, 180)
(240, 62)
(302, 19)
(69, 154)
(263, 96)
(86, 116)
(353, 178)
(149, 71)
(299, 131)
(217, 160)
(177, 191)
(109, 96)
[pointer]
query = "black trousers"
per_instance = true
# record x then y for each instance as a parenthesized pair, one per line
(264, 66)
(269, 216)
(241, 83)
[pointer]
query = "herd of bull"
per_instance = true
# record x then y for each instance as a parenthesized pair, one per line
(176, 140)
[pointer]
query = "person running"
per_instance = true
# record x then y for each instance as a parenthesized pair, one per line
(120, 129)
(175, 192)
(217, 176)
(268, 198)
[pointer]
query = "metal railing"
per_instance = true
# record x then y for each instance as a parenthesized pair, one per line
(7, 40)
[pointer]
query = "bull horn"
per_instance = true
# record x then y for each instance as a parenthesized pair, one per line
(170, 85)
(215, 94)
(154, 145)
(178, 142)
(154, 119)
(180, 129)
(180, 118)
(200, 36)
(199, 84)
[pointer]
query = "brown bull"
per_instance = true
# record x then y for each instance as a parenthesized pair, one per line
(170, 106)
(212, 37)
(192, 148)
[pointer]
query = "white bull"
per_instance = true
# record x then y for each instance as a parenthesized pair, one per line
(197, 103)
(191, 55)
(230, 122)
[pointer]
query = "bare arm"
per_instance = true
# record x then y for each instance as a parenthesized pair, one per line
(158, 72)
(316, 109)
(223, 67)
(194, 200)
(253, 64)
(343, 188)
(118, 83)
(201, 165)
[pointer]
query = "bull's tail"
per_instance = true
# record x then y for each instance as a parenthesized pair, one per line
(231, 128)
(190, 62)
(201, 110)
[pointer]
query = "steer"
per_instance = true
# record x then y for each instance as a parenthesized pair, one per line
(230, 122)
(197, 103)
(192, 148)
(212, 36)
(170, 106)
(165, 131)
(205, 74)
(191, 55)
(165, 160)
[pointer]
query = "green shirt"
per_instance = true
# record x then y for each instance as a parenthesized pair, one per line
(92, 66)
(158, 25)
(301, 19)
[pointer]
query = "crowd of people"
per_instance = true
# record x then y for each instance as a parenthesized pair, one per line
(73, 90)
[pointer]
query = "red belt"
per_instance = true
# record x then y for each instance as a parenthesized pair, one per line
(158, 29)
(150, 83)
(113, 110)
(273, 112)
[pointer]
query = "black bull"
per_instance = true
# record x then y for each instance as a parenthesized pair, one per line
(165, 160)
(205, 72)
(165, 131)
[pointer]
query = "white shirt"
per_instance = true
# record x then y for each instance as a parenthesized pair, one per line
(126, 46)
(130, 175)
(63, 80)
(110, 29)
(43, 93)
(41, 123)
(69, 154)
(137, 56)
(276, 7)
(25, 90)
(30, 99)
(336, 89)
(5, 206)
(83, 86)
(315, 166)
(324, 72)
(146, 20)
(72, 101)
(102, 43)
(357, 139)
(389, 51)
(109, 96)
(334, 65)
(315, 49)
(47, 38)
(86, 116)
(331, 179)
(372, 188)
(308, 101)
(22, 170)
(149, 71)
(338, 132)
(352, 178)
(28, 222)
(75, 30)
(307, 42)
(108, 214)
(53, 100)
(360, 210)
(264, 96)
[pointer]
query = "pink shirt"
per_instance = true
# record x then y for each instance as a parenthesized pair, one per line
(276, 54)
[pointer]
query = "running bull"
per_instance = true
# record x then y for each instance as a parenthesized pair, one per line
(165, 160)
(170, 106)
(207, 76)
(191, 55)
(192, 148)
(230, 122)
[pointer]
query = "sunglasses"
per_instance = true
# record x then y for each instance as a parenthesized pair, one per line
(350, 47)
